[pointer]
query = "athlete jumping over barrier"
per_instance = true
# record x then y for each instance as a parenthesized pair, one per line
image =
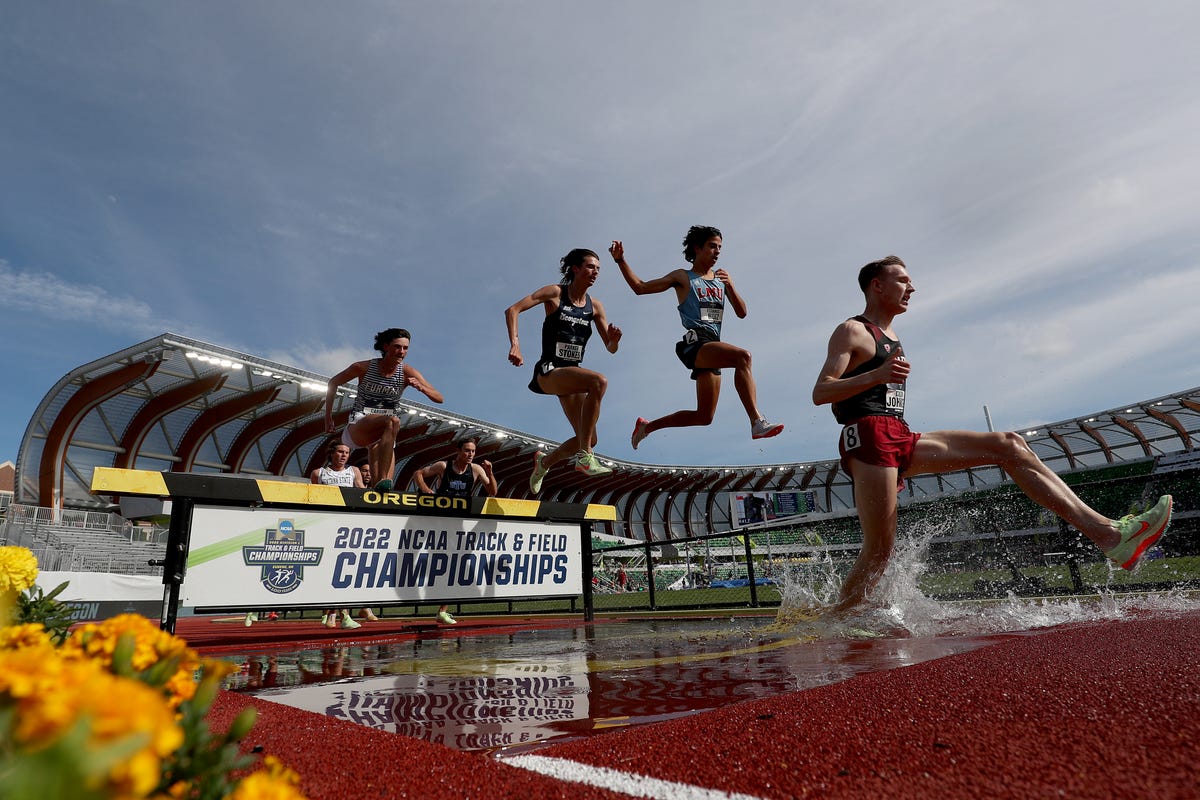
(375, 420)
(864, 378)
(701, 291)
(570, 314)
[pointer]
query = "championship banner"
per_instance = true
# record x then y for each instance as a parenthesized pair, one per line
(273, 557)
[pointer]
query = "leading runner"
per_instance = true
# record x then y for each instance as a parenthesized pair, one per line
(864, 378)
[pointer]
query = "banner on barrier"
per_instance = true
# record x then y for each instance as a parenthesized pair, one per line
(262, 557)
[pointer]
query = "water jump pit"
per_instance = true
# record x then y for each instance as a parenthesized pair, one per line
(493, 686)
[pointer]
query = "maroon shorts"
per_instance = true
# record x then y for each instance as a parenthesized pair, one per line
(881, 441)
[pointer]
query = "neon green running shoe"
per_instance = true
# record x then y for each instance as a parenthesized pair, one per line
(589, 465)
(1139, 532)
(539, 472)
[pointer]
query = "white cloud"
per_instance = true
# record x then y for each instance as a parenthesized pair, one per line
(326, 361)
(44, 294)
(292, 179)
(1115, 192)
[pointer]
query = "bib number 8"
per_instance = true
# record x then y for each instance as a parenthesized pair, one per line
(850, 439)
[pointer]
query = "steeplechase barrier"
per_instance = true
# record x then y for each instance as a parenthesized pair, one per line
(242, 543)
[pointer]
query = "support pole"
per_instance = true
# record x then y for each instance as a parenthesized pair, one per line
(175, 564)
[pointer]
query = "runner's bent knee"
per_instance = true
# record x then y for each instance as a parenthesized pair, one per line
(1012, 448)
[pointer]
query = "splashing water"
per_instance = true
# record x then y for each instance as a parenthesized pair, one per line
(900, 608)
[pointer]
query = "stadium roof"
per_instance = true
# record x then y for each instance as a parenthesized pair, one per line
(173, 403)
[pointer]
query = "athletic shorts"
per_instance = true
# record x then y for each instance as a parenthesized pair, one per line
(688, 349)
(543, 367)
(881, 441)
(355, 416)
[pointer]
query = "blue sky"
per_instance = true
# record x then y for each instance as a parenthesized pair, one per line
(289, 177)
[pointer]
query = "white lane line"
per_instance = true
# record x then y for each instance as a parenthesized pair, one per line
(617, 781)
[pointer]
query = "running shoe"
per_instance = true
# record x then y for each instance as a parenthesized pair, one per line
(639, 432)
(445, 618)
(589, 465)
(273, 617)
(251, 618)
(348, 622)
(762, 429)
(539, 472)
(323, 618)
(1139, 532)
(383, 486)
(330, 621)
(368, 615)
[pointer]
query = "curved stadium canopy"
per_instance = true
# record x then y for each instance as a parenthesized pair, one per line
(177, 404)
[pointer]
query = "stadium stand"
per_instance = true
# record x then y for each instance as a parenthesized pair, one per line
(172, 403)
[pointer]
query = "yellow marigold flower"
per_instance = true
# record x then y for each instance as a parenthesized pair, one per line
(31, 634)
(98, 641)
(275, 782)
(18, 569)
(51, 695)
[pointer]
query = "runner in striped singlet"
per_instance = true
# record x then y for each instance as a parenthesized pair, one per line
(375, 420)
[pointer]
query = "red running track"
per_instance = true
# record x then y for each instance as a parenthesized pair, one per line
(1105, 710)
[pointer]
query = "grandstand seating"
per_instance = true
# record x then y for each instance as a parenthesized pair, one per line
(84, 541)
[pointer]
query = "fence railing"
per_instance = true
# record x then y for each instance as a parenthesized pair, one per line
(83, 541)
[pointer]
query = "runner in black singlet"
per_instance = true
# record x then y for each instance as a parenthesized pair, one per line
(456, 477)
(865, 379)
(570, 315)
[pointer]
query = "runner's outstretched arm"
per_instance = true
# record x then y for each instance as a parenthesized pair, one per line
(639, 286)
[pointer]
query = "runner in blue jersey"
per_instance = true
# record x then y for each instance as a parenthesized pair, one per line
(701, 292)
(570, 315)
(375, 420)
(865, 377)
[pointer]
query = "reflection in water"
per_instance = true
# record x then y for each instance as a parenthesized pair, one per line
(518, 691)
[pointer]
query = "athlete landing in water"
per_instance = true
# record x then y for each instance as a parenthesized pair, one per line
(864, 378)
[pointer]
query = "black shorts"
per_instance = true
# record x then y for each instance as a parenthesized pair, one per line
(543, 368)
(688, 349)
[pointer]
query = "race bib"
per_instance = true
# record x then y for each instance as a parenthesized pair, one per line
(386, 412)
(711, 313)
(850, 439)
(894, 399)
(568, 351)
